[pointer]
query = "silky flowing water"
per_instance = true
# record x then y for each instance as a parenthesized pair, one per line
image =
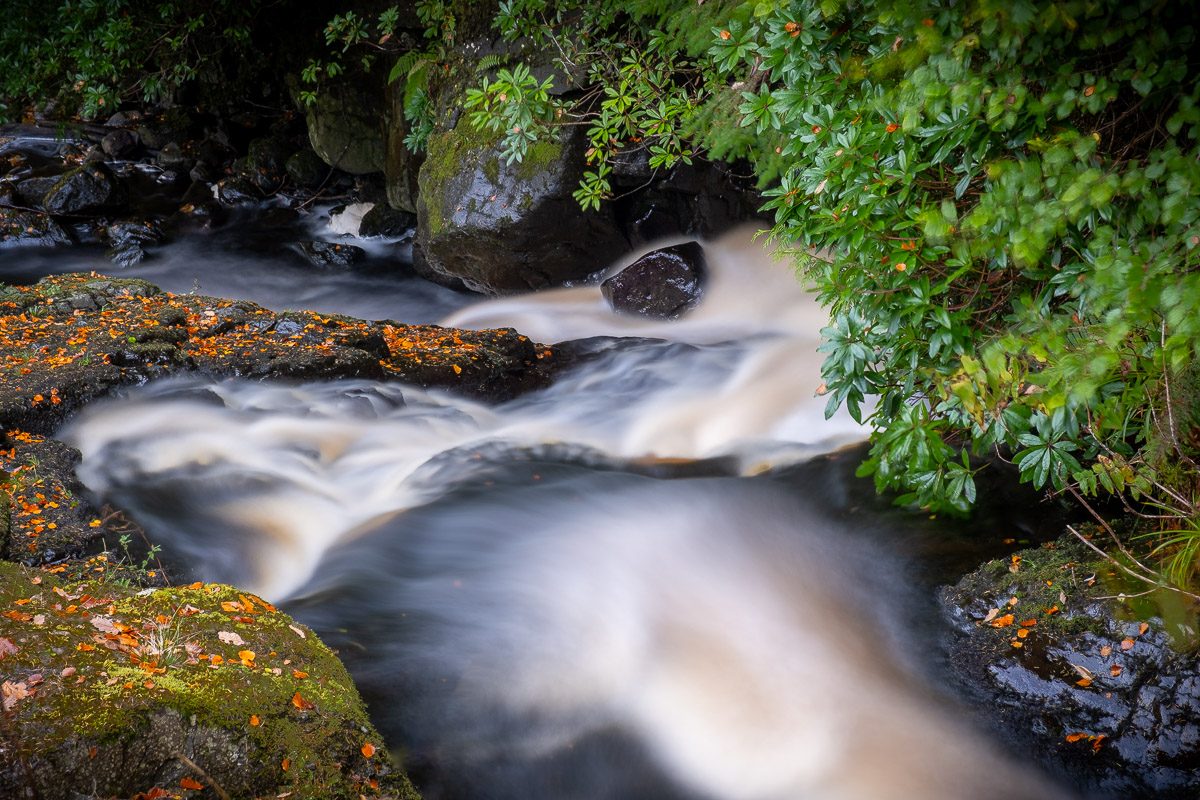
(657, 578)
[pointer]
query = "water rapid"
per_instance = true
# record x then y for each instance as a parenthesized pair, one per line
(584, 592)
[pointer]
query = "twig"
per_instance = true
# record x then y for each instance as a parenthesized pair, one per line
(203, 775)
(1108, 528)
(1143, 578)
(1124, 596)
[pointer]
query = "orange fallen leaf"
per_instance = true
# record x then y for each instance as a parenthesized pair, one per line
(1143, 628)
(299, 702)
(368, 750)
(1126, 644)
(1075, 737)
(1115, 670)
(1022, 633)
(299, 674)
(253, 720)
(1105, 650)
(189, 783)
(1029, 623)
(1083, 682)
(1003, 622)
(287, 762)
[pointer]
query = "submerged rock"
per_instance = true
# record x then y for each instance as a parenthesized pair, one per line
(664, 284)
(1083, 669)
(179, 688)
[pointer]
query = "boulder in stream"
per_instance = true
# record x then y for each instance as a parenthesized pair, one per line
(88, 190)
(330, 254)
(501, 228)
(19, 227)
(663, 284)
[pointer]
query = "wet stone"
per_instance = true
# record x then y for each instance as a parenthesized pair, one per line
(19, 227)
(663, 284)
(88, 190)
(121, 144)
(330, 254)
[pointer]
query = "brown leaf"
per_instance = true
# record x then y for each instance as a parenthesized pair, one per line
(299, 702)
(297, 631)
(1105, 650)
(229, 637)
(104, 625)
(68, 672)
(8, 647)
(1115, 670)
(1084, 672)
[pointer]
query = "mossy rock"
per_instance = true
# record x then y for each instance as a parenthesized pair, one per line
(1083, 667)
(501, 228)
(114, 691)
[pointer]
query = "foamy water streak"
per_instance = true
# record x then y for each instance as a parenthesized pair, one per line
(533, 622)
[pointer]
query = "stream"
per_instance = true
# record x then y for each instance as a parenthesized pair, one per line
(657, 578)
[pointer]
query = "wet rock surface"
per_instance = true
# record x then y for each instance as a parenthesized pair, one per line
(72, 338)
(663, 284)
(1083, 669)
(330, 255)
(499, 228)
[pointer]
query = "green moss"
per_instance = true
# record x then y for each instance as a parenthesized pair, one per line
(538, 158)
(491, 168)
(239, 685)
(446, 156)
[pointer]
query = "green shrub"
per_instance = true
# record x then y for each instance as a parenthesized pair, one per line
(94, 53)
(1010, 189)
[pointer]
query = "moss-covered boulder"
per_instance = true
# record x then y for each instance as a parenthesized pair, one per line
(1083, 667)
(347, 124)
(501, 228)
(111, 691)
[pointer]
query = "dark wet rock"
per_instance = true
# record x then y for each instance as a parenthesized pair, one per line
(1087, 676)
(89, 190)
(345, 126)
(127, 240)
(664, 284)
(236, 190)
(32, 191)
(383, 220)
(500, 228)
(172, 158)
(401, 166)
(121, 144)
(330, 254)
(264, 164)
(306, 169)
(20, 227)
(199, 205)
